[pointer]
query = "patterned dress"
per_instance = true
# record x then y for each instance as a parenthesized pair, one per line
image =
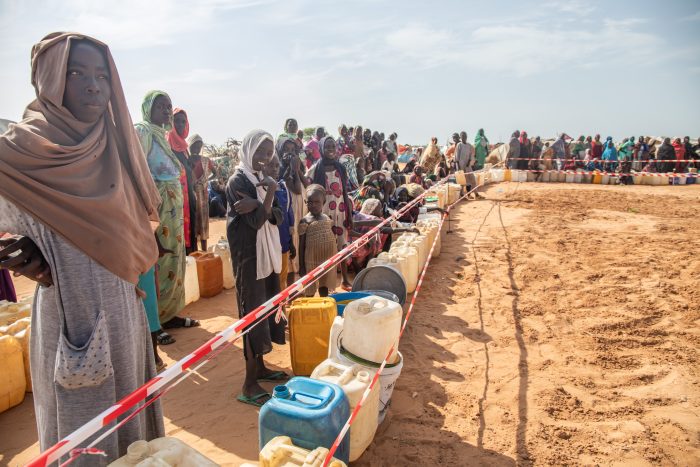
(335, 204)
(166, 172)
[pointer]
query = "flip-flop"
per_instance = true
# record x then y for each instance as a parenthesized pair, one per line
(254, 399)
(275, 376)
(185, 323)
(163, 338)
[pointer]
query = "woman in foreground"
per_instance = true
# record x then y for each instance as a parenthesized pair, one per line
(85, 243)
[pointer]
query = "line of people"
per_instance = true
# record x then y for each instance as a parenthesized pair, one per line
(590, 153)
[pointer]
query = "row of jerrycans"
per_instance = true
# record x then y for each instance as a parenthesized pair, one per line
(208, 273)
(409, 253)
(312, 411)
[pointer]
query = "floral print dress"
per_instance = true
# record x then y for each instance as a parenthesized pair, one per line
(335, 207)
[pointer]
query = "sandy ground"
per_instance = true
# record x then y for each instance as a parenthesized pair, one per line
(558, 326)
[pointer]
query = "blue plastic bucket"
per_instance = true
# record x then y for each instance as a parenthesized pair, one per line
(343, 298)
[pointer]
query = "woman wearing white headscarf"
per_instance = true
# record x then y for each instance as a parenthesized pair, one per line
(256, 255)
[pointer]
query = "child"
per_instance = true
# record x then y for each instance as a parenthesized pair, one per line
(417, 176)
(317, 241)
(293, 176)
(286, 227)
(331, 175)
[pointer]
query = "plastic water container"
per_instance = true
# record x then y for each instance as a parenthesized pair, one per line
(371, 327)
(11, 312)
(546, 177)
(587, 177)
(13, 383)
(343, 298)
(20, 330)
(461, 178)
(222, 249)
(614, 180)
(430, 231)
(280, 451)
(388, 278)
(420, 244)
(354, 379)
(453, 193)
(569, 177)
(310, 412)
(597, 178)
(578, 177)
(497, 175)
(442, 198)
(392, 261)
(310, 321)
(162, 452)
(410, 257)
(520, 176)
(191, 281)
(389, 375)
(679, 180)
(531, 176)
(507, 175)
(387, 380)
(605, 180)
(210, 273)
(23, 337)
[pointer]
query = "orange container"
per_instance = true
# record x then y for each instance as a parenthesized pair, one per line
(210, 272)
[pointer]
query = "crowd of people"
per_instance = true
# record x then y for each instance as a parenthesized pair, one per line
(640, 154)
(102, 213)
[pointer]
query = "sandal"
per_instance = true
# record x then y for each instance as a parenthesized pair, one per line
(164, 338)
(178, 322)
(160, 366)
(254, 400)
(274, 377)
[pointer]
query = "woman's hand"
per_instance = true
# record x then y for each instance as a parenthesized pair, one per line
(269, 183)
(295, 163)
(245, 204)
(162, 251)
(24, 258)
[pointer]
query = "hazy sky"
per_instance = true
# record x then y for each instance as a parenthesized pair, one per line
(420, 68)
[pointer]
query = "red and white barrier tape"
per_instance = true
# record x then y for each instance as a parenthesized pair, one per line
(183, 366)
(601, 160)
(616, 174)
(375, 379)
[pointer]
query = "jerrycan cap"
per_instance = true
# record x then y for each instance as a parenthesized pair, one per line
(137, 451)
(281, 392)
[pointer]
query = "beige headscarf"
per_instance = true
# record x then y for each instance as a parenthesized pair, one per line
(88, 183)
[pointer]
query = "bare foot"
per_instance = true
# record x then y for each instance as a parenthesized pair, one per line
(253, 390)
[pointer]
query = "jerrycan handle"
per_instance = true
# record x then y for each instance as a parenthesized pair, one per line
(291, 398)
(346, 374)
